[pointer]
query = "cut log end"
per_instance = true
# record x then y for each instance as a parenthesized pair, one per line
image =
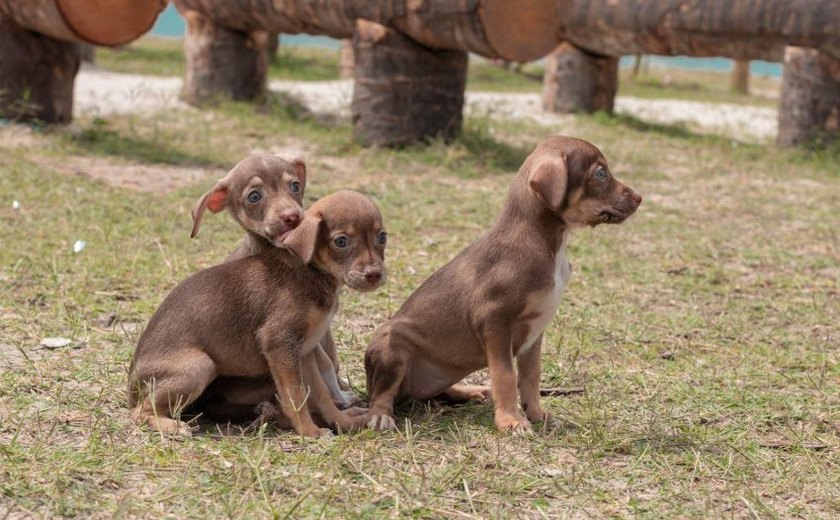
(404, 92)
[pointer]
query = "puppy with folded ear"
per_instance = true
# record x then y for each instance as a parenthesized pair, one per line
(491, 303)
(264, 193)
(261, 317)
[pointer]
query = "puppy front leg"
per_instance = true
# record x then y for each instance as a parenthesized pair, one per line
(322, 403)
(503, 384)
(286, 370)
(342, 398)
(528, 362)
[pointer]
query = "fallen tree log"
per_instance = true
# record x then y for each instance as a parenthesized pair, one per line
(738, 29)
(519, 31)
(100, 22)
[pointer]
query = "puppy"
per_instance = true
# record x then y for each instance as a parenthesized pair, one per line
(261, 317)
(491, 303)
(264, 194)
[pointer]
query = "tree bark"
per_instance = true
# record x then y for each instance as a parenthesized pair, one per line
(740, 76)
(738, 29)
(272, 46)
(404, 92)
(100, 22)
(346, 60)
(809, 107)
(222, 62)
(519, 31)
(577, 81)
(36, 75)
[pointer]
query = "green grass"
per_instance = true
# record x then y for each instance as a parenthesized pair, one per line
(704, 330)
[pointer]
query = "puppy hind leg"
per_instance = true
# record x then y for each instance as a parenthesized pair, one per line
(167, 394)
(461, 393)
(386, 370)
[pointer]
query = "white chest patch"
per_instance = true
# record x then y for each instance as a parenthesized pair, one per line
(545, 303)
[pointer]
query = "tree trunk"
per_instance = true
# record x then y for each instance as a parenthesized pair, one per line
(222, 62)
(109, 23)
(272, 46)
(809, 107)
(738, 29)
(577, 81)
(740, 76)
(87, 53)
(404, 92)
(346, 60)
(519, 31)
(36, 75)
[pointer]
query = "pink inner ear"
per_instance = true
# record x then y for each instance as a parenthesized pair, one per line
(300, 170)
(217, 199)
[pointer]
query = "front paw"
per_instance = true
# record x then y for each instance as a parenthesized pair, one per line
(514, 423)
(381, 422)
(346, 399)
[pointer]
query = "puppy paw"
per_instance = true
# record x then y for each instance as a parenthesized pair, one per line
(381, 422)
(356, 410)
(346, 399)
(515, 424)
(317, 432)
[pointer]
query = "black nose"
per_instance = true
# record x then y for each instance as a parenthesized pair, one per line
(291, 218)
(373, 274)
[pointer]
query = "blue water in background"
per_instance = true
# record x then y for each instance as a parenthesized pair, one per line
(171, 24)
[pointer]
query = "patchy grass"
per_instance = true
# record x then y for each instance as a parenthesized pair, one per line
(704, 330)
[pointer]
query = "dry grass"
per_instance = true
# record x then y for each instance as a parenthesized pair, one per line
(704, 331)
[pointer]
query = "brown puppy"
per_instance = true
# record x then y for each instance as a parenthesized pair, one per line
(264, 193)
(259, 317)
(491, 303)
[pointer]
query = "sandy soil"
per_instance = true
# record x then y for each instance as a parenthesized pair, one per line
(102, 93)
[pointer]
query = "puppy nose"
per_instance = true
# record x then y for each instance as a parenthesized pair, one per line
(635, 196)
(291, 218)
(373, 274)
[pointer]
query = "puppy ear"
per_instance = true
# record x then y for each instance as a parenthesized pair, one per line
(548, 179)
(215, 200)
(300, 170)
(303, 239)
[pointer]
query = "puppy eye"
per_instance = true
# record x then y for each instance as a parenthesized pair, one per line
(294, 186)
(341, 242)
(254, 197)
(383, 238)
(601, 174)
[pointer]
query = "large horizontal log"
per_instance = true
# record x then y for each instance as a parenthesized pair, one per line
(739, 29)
(100, 22)
(522, 30)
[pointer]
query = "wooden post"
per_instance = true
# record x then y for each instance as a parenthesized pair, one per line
(740, 76)
(404, 91)
(577, 81)
(272, 46)
(36, 75)
(809, 107)
(346, 60)
(222, 62)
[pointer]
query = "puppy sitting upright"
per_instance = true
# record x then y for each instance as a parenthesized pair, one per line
(264, 193)
(491, 303)
(261, 316)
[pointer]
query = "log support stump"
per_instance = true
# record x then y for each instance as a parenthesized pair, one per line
(577, 81)
(809, 107)
(404, 92)
(37, 73)
(222, 62)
